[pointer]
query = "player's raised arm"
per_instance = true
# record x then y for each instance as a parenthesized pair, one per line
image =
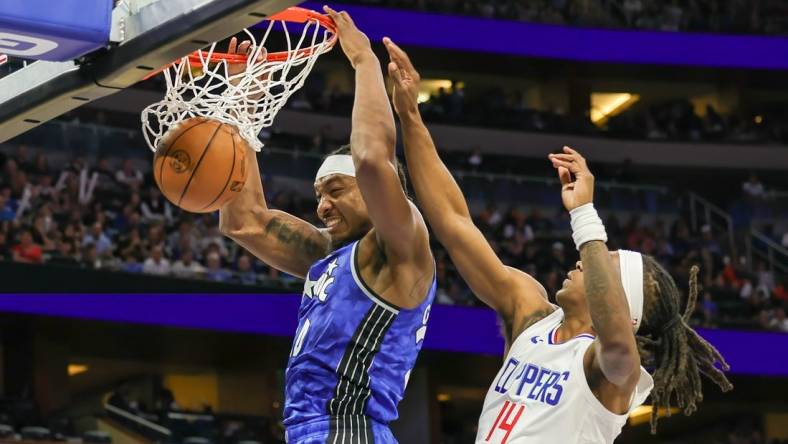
(508, 291)
(398, 225)
(279, 239)
(615, 353)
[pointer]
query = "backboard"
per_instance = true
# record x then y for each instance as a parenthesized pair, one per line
(145, 35)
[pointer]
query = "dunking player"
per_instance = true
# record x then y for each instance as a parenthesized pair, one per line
(369, 274)
(572, 372)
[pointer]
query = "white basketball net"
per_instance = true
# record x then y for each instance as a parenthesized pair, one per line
(249, 99)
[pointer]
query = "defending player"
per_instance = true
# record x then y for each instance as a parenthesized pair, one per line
(571, 373)
(369, 274)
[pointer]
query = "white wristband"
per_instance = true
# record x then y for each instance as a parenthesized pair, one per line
(586, 225)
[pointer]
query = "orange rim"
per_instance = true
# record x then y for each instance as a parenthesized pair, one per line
(292, 14)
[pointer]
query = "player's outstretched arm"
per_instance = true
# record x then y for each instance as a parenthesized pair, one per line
(279, 239)
(615, 352)
(512, 293)
(398, 224)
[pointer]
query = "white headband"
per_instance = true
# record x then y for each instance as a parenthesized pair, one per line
(631, 264)
(336, 164)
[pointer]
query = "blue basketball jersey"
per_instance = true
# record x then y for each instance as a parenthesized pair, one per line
(353, 351)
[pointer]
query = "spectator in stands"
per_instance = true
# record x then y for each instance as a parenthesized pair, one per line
(107, 181)
(709, 309)
(132, 244)
(156, 263)
(5, 249)
(6, 210)
(26, 250)
(98, 238)
(129, 176)
(214, 237)
(65, 254)
(246, 275)
(90, 257)
(130, 262)
(779, 322)
(214, 270)
(185, 238)
(747, 290)
(156, 207)
(187, 267)
(156, 235)
(40, 166)
(22, 158)
(780, 292)
(43, 232)
(753, 188)
(475, 160)
(765, 277)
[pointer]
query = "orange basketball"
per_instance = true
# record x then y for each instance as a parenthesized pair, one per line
(201, 164)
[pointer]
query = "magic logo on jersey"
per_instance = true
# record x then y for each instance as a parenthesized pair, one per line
(319, 288)
(526, 381)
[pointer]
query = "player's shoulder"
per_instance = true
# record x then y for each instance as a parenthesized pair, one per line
(529, 287)
(527, 317)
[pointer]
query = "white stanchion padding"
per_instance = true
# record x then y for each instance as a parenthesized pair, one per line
(631, 265)
(586, 225)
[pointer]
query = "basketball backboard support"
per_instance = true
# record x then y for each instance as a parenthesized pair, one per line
(147, 39)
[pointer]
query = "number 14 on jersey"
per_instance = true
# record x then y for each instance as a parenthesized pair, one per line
(504, 422)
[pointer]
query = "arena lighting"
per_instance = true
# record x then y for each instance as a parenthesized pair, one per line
(428, 87)
(642, 414)
(606, 105)
(75, 369)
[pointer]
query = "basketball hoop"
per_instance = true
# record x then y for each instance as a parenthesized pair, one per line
(199, 84)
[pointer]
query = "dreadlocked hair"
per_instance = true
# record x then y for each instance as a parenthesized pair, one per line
(668, 344)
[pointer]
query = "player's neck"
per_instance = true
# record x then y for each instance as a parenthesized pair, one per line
(577, 320)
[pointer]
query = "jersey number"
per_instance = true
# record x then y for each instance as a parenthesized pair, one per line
(299, 341)
(502, 422)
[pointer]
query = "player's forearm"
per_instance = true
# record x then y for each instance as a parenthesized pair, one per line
(609, 312)
(282, 241)
(436, 190)
(279, 239)
(374, 134)
(249, 206)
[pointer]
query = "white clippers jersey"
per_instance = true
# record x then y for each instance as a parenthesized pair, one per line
(541, 395)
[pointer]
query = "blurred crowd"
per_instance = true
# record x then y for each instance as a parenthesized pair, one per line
(109, 215)
(498, 107)
(106, 214)
(720, 16)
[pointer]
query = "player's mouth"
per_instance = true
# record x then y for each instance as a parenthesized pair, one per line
(332, 222)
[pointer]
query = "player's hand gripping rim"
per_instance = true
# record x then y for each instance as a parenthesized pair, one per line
(355, 44)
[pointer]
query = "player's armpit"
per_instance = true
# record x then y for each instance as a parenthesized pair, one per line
(397, 222)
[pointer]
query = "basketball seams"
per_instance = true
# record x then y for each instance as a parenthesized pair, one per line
(169, 147)
(197, 166)
(229, 176)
